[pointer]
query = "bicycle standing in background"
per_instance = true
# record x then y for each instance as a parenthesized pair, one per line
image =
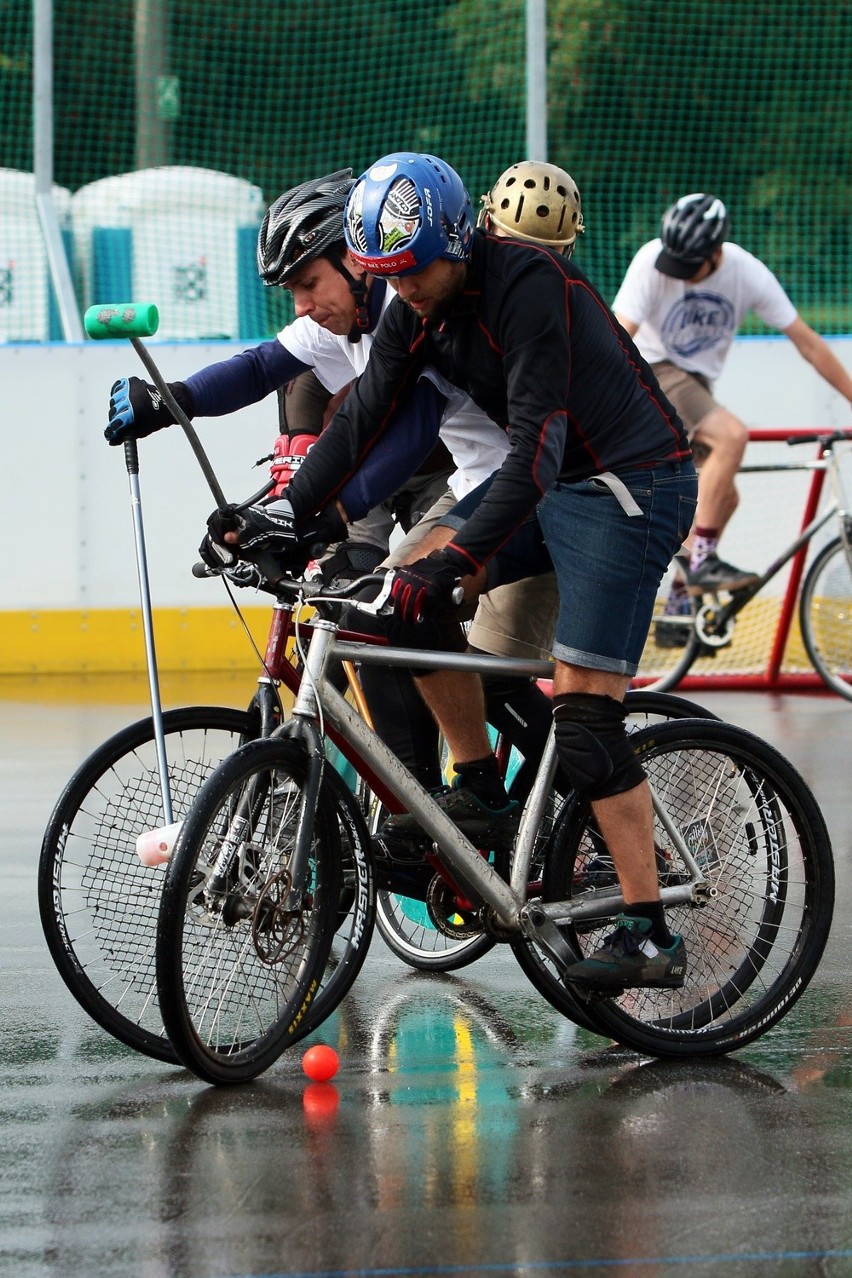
(726, 627)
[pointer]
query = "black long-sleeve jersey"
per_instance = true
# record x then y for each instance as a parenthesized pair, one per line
(536, 347)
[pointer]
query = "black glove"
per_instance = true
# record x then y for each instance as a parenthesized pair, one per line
(424, 588)
(260, 530)
(137, 409)
(268, 529)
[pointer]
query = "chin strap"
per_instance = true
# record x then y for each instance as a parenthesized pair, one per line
(358, 288)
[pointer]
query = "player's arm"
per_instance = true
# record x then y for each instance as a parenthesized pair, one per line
(820, 356)
(137, 409)
(380, 393)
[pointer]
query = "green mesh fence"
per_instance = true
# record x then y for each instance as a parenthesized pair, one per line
(177, 121)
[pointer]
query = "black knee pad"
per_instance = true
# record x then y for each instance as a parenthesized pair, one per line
(593, 745)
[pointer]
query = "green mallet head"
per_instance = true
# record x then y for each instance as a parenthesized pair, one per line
(122, 319)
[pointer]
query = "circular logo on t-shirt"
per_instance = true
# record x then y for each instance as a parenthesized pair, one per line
(697, 322)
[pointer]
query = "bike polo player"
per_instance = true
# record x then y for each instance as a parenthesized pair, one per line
(338, 306)
(598, 484)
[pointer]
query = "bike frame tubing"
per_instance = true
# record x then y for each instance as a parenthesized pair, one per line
(772, 676)
(367, 650)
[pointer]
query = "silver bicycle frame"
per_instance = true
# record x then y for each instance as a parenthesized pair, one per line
(319, 700)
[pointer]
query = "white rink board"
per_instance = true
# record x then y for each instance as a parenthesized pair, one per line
(66, 497)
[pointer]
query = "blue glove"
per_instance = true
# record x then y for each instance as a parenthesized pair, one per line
(425, 588)
(137, 409)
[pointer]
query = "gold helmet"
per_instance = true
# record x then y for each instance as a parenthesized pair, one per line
(537, 202)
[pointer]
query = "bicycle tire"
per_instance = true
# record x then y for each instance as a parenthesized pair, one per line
(238, 961)
(754, 947)
(406, 927)
(97, 902)
(825, 619)
(673, 664)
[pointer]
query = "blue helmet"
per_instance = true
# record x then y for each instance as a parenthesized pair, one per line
(405, 212)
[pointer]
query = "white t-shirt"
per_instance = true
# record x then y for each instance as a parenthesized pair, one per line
(476, 444)
(693, 325)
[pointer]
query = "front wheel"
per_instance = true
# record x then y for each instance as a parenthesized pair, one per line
(758, 835)
(98, 903)
(243, 933)
(825, 617)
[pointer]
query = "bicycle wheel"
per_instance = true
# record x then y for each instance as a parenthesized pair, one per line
(241, 948)
(672, 644)
(825, 617)
(650, 705)
(757, 831)
(644, 708)
(98, 903)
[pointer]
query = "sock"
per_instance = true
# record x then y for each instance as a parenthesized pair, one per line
(705, 542)
(654, 912)
(482, 778)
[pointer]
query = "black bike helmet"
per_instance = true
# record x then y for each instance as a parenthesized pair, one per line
(691, 231)
(301, 225)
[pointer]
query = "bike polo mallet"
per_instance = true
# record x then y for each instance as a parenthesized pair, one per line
(136, 320)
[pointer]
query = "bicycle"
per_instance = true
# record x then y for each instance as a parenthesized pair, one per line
(249, 897)
(98, 902)
(825, 598)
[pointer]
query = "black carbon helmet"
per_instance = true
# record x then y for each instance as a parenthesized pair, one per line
(301, 225)
(691, 230)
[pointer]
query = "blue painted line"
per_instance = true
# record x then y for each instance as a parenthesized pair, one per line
(559, 1266)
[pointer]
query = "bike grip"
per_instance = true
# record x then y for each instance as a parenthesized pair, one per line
(122, 319)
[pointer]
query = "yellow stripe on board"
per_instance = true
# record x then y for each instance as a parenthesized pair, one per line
(108, 641)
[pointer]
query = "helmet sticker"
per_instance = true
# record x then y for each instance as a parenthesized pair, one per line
(400, 216)
(354, 219)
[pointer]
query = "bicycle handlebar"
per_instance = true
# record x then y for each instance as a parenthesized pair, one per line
(825, 438)
(244, 573)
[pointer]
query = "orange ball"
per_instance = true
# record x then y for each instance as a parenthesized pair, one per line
(320, 1063)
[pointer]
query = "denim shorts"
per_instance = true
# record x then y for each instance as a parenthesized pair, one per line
(609, 564)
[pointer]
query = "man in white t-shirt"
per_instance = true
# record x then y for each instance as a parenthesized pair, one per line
(683, 298)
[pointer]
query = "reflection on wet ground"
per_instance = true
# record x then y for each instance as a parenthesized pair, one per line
(471, 1129)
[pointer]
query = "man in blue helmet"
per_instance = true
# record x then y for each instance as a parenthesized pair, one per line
(598, 484)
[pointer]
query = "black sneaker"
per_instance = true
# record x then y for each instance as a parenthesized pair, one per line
(629, 958)
(491, 829)
(715, 574)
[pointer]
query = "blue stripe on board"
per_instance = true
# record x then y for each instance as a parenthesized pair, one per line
(557, 1266)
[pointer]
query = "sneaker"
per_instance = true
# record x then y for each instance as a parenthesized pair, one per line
(628, 958)
(715, 574)
(488, 828)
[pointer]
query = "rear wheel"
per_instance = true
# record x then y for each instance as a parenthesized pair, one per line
(757, 832)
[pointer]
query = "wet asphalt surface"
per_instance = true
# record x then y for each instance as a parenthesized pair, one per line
(469, 1130)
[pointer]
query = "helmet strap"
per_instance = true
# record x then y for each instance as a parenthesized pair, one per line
(359, 289)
